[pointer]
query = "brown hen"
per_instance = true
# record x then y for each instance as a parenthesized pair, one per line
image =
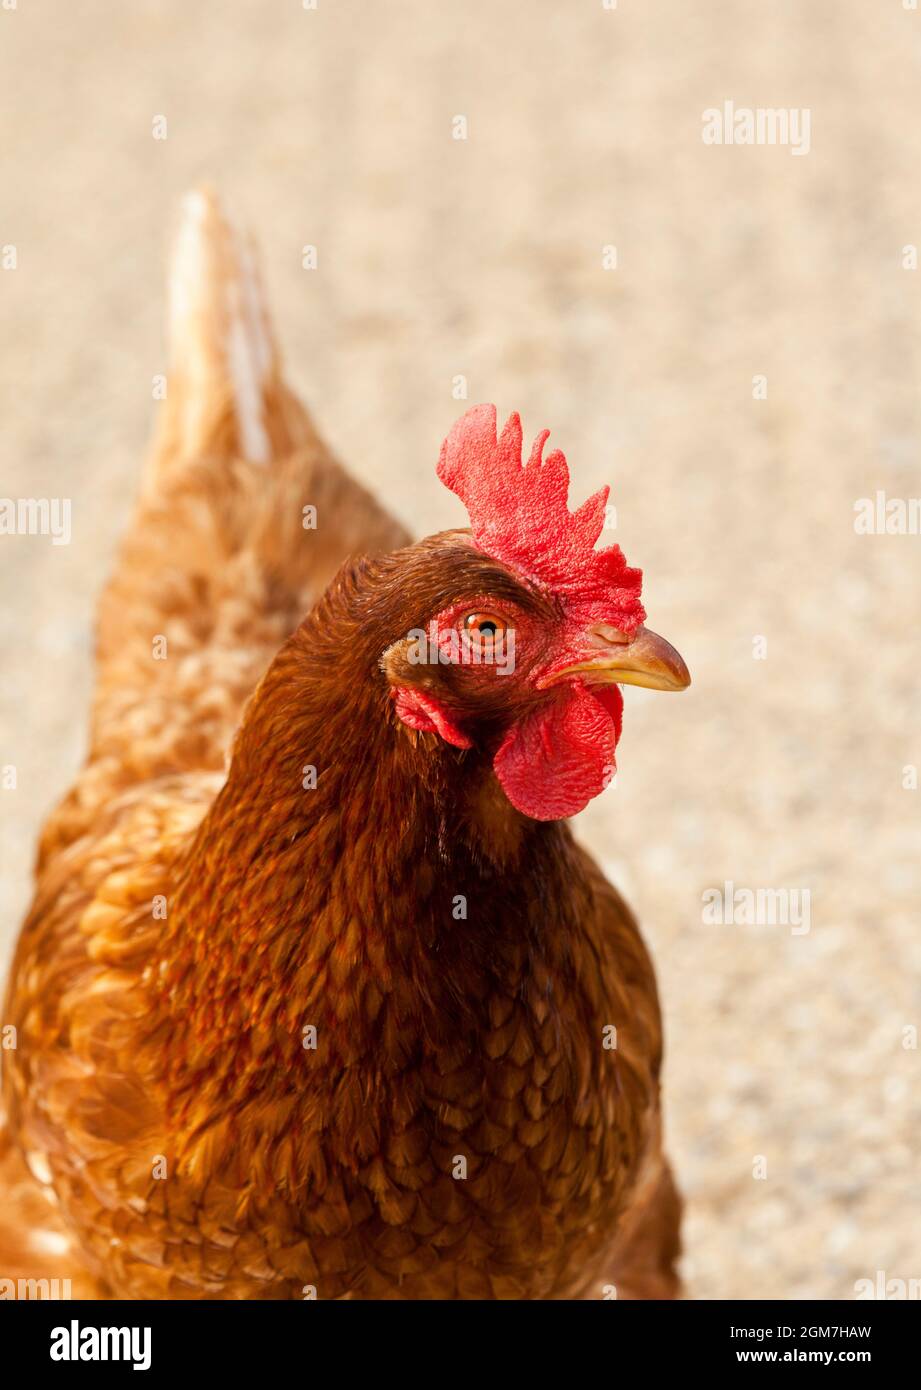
(354, 1014)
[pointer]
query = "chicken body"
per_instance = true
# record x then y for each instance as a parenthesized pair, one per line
(338, 1020)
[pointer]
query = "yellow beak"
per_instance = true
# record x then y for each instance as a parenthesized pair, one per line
(613, 658)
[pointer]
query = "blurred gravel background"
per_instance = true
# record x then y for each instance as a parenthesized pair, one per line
(483, 258)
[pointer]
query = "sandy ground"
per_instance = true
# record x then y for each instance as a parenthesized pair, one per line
(483, 258)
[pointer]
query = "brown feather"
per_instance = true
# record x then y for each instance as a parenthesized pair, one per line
(194, 1146)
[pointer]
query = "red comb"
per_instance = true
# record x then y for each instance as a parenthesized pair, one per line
(520, 515)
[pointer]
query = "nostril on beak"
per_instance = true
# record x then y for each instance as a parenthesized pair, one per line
(608, 635)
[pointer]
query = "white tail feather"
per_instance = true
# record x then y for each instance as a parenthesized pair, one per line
(225, 394)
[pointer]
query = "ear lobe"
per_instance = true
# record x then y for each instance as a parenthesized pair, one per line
(428, 715)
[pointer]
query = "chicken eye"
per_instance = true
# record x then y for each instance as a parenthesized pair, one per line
(485, 628)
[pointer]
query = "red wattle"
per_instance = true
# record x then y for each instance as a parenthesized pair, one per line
(553, 762)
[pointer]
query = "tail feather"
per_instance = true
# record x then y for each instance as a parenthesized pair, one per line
(245, 517)
(225, 392)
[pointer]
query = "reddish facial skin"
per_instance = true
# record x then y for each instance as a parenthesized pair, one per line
(559, 754)
(557, 751)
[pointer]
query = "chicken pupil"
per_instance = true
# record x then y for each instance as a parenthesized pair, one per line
(482, 626)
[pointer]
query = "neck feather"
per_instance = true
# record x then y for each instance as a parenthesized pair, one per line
(395, 879)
